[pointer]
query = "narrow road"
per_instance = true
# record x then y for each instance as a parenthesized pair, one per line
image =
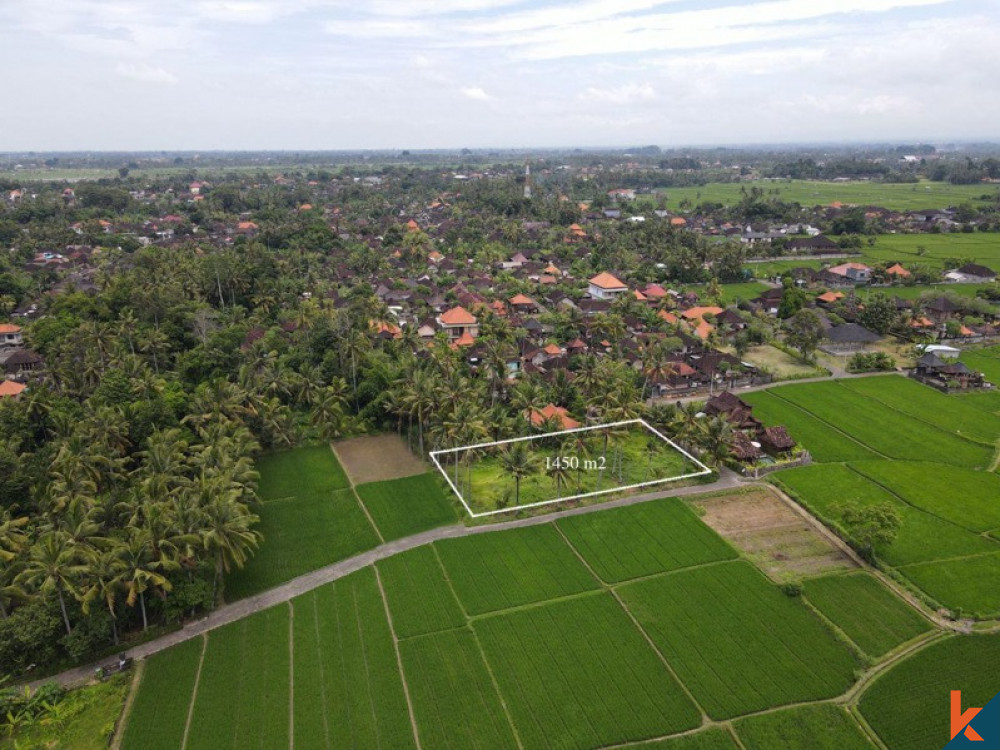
(285, 592)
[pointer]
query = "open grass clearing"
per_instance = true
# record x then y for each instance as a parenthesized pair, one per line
(401, 507)
(243, 693)
(306, 470)
(376, 458)
(954, 415)
(820, 727)
(777, 539)
(970, 499)
(907, 706)
(886, 430)
(969, 583)
(736, 641)
(454, 699)
(577, 674)
(525, 472)
(868, 613)
(824, 442)
(419, 597)
(348, 689)
(302, 534)
(506, 569)
(160, 710)
(640, 540)
(781, 364)
(982, 247)
(828, 489)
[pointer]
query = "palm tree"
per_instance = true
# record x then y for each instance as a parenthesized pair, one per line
(519, 463)
(141, 569)
(228, 536)
(106, 577)
(327, 413)
(53, 564)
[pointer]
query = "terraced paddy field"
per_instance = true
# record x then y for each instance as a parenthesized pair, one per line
(428, 647)
(931, 456)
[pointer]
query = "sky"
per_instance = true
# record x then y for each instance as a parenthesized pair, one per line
(416, 74)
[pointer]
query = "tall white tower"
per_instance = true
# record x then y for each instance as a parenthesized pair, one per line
(527, 181)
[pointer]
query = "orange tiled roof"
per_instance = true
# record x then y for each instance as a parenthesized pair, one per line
(897, 270)
(605, 280)
(9, 328)
(458, 316)
(10, 388)
(540, 416)
(693, 313)
(521, 299)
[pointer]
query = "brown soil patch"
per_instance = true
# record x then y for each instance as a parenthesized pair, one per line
(773, 535)
(375, 458)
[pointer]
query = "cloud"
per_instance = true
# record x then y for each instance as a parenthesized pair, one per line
(627, 94)
(146, 73)
(476, 93)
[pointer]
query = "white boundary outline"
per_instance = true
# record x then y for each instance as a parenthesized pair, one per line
(434, 457)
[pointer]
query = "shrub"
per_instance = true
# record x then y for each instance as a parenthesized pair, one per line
(871, 362)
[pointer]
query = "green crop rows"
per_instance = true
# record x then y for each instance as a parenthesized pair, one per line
(820, 727)
(347, 684)
(713, 738)
(578, 675)
(625, 543)
(161, 706)
(888, 432)
(871, 616)
(453, 696)
(509, 568)
(401, 507)
(908, 705)
(703, 620)
(968, 584)
(420, 599)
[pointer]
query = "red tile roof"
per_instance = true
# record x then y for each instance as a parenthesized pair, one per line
(605, 280)
(458, 316)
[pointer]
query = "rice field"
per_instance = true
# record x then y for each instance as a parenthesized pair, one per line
(632, 542)
(507, 569)
(420, 598)
(819, 727)
(867, 612)
(401, 507)
(907, 706)
(576, 674)
(703, 619)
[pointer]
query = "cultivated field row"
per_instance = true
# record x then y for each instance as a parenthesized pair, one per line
(570, 634)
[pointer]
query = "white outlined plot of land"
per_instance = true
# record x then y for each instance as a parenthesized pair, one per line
(537, 470)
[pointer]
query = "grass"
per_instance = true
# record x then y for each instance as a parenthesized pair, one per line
(160, 709)
(922, 402)
(871, 616)
(302, 534)
(640, 540)
(243, 695)
(453, 696)
(486, 485)
(819, 727)
(307, 470)
(348, 689)
(401, 507)
(506, 569)
(577, 674)
(419, 597)
(704, 622)
(982, 247)
(86, 720)
(968, 584)
(824, 443)
(887, 431)
(828, 489)
(908, 705)
(712, 738)
(781, 364)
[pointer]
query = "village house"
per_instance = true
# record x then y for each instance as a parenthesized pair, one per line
(847, 274)
(10, 335)
(604, 286)
(971, 273)
(457, 323)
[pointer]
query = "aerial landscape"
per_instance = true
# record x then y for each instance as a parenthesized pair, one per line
(469, 375)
